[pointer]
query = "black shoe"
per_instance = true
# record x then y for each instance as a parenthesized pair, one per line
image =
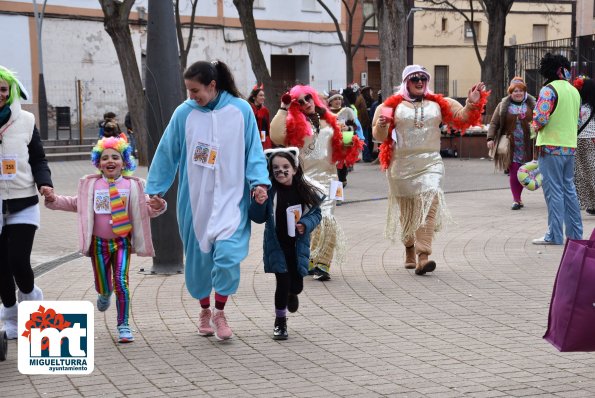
(591, 212)
(516, 206)
(322, 276)
(293, 303)
(280, 331)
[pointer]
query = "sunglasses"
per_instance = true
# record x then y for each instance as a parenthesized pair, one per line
(416, 79)
(305, 100)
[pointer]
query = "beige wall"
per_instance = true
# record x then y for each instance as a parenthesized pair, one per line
(585, 23)
(432, 46)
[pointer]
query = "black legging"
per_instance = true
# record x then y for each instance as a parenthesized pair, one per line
(16, 243)
(290, 282)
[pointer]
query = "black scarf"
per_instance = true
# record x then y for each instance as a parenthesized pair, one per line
(4, 115)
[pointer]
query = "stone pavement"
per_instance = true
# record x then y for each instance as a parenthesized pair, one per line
(472, 328)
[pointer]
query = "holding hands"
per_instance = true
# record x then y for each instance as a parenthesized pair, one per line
(259, 193)
(157, 202)
(48, 193)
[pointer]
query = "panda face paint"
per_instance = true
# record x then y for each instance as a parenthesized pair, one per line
(283, 171)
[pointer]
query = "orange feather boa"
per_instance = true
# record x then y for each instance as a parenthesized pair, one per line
(342, 155)
(386, 148)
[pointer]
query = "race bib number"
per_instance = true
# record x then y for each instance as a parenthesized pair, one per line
(205, 155)
(102, 203)
(8, 170)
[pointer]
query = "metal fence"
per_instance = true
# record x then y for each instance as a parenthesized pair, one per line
(523, 59)
(93, 98)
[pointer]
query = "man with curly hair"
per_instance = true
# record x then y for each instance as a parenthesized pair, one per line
(555, 119)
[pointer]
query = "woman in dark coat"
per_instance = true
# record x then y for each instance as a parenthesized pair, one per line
(512, 118)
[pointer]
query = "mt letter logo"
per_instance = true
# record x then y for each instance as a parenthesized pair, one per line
(56, 337)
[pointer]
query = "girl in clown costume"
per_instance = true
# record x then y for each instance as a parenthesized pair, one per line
(409, 125)
(213, 139)
(114, 214)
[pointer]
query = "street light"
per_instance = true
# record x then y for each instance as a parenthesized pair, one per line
(412, 10)
(410, 34)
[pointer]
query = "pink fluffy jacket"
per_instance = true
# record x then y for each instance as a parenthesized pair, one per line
(138, 207)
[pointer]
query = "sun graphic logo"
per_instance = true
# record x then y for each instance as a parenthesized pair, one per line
(56, 337)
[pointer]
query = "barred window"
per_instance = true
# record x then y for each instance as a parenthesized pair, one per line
(441, 79)
(372, 23)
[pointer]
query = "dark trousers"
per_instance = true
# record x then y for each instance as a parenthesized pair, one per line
(290, 282)
(367, 155)
(342, 174)
(16, 243)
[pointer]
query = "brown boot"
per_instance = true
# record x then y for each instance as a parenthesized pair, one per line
(410, 257)
(424, 265)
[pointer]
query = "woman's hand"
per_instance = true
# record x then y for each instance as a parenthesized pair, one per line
(491, 144)
(301, 228)
(285, 101)
(383, 121)
(157, 202)
(475, 92)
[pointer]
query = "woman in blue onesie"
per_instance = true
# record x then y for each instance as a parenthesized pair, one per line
(214, 141)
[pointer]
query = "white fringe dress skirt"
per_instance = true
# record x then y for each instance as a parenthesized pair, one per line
(415, 176)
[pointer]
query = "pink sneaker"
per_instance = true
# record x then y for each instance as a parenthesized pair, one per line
(204, 323)
(219, 323)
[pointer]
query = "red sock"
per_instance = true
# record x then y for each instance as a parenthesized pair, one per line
(205, 302)
(220, 301)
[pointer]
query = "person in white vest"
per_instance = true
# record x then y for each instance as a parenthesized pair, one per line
(24, 172)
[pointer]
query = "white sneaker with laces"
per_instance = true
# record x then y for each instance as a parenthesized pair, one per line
(542, 241)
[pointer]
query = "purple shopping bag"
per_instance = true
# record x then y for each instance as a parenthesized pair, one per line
(571, 321)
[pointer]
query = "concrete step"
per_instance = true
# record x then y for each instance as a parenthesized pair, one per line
(65, 156)
(86, 141)
(68, 148)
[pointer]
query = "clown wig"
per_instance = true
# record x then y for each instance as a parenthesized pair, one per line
(552, 67)
(15, 87)
(119, 145)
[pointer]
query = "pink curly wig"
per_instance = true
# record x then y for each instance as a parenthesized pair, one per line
(297, 125)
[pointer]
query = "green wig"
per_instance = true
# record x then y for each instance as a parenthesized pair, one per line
(10, 78)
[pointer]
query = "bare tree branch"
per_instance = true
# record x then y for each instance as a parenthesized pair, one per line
(361, 30)
(337, 26)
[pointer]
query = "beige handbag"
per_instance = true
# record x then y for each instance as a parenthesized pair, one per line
(502, 147)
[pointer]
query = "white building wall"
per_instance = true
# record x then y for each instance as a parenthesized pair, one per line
(288, 10)
(15, 48)
(82, 50)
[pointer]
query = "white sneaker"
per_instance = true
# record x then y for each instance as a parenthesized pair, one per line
(542, 241)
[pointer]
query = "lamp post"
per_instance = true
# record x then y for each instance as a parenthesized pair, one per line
(409, 20)
(41, 93)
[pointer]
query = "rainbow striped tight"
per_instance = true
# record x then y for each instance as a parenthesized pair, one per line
(112, 256)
